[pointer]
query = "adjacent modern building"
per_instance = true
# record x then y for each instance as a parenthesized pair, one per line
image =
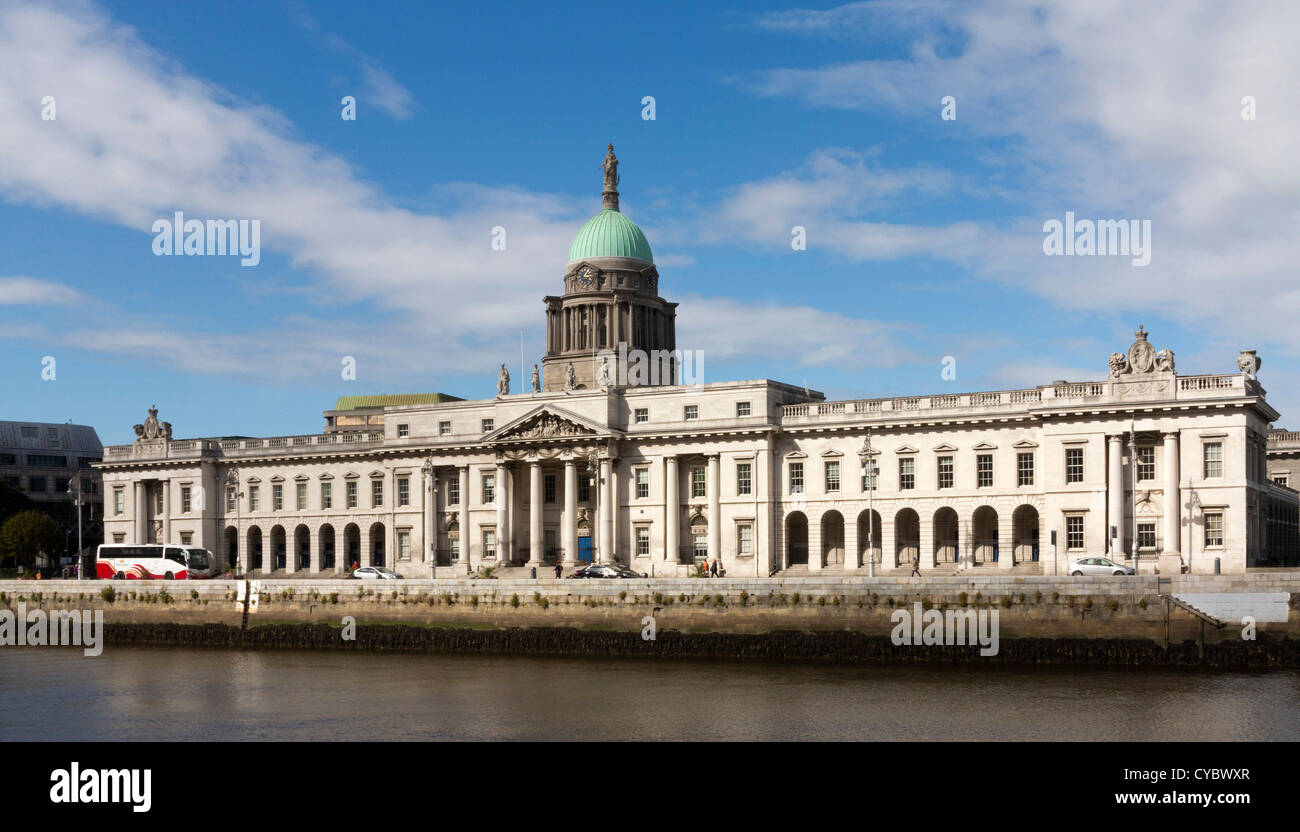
(601, 460)
(45, 460)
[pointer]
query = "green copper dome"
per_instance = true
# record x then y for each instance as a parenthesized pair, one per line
(610, 234)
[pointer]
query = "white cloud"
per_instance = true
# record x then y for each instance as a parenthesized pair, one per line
(29, 291)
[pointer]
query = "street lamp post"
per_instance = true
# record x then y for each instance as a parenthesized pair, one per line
(429, 494)
(869, 468)
(76, 490)
(232, 478)
(1132, 463)
(598, 540)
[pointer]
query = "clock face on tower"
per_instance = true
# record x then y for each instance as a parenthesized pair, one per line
(586, 277)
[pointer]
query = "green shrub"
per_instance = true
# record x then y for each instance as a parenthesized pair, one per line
(1038, 597)
(1143, 603)
(1006, 602)
(659, 597)
(1022, 599)
(546, 603)
(514, 601)
(1114, 605)
(1087, 604)
(744, 598)
(1056, 597)
(108, 593)
(334, 597)
(963, 598)
(719, 601)
(795, 598)
(821, 600)
(622, 595)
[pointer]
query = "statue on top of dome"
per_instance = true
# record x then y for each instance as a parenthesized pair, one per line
(610, 166)
(536, 381)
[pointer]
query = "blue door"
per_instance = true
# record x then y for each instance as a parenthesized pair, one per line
(584, 549)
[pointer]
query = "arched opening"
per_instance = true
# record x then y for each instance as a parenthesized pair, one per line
(351, 546)
(869, 543)
(907, 535)
(1025, 534)
(947, 549)
(833, 539)
(796, 539)
(302, 547)
(254, 548)
(326, 547)
(231, 548)
(278, 549)
(984, 534)
(377, 545)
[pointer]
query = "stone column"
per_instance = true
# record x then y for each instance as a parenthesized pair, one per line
(141, 508)
(604, 554)
(1006, 539)
(570, 525)
(166, 486)
(535, 514)
(1114, 495)
(852, 546)
(1172, 512)
(672, 511)
(363, 536)
(290, 550)
(462, 519)
(925, 541)
(313, 551)
(501, 500)
(713, 484)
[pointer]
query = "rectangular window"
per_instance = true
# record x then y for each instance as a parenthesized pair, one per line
(489, 487)
(1024, 469)
(692, 412)
(643, 541)
(47, 460)
(185, 499)
(549, 544)
(36, 485)
(453, 492)
(489, 544)
(119, 500)
(351, 491)
(277, 497)
(906, 473)
(327, 495)
(1213, 529)
(444, 428)
(548, 488)
(745, 540)
(1074, 464)
(642, 415)
(254, 497)
(700, 546)
(403, 431)
(945, 472)
(1074, 532)
(796, 477)
(403, 544)
(1146, 535)
(744, 480)
(1213, 459)
(984, 470)
(489, 425)
(742, 409)
(158, 501)
(403, 491)
(832, 476)
(119, 537)
(584, 487)
(186, 538)
(300, 496)
(699, 485)
(1281, 479)
(31, 433)
(1146, 464)
(642, 483)
(870, 473)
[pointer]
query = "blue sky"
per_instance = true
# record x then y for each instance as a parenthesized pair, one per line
(924, 234)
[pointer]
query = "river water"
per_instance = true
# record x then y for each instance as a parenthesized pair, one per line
(145, 693)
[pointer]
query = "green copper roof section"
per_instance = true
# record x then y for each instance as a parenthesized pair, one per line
(392, 400)
(610, 234)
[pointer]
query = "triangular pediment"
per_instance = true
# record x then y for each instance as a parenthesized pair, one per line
(984, 446)
(1025, 443)
(905, 449)
(944, 448)
(547, 423)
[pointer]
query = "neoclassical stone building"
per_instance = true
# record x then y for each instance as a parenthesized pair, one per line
(1142, 464)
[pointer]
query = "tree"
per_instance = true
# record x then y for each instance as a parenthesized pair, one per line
(13, 501)
(28, 534)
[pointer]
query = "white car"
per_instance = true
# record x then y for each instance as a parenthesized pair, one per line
(1097, 566)
(376, 573)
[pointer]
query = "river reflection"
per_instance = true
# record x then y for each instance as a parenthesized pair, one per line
(172, 694)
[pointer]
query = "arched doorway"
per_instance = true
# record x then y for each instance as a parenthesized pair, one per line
(833, 539)
(232, 548)
(873, 541)
(377, 545)
(302, 547)
(351, 546)
(254, 548)
(278, 549)
(796, 539)
(947, 549)
(907, 536)
(984, 533)
(326, 544)
(1025, 534)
